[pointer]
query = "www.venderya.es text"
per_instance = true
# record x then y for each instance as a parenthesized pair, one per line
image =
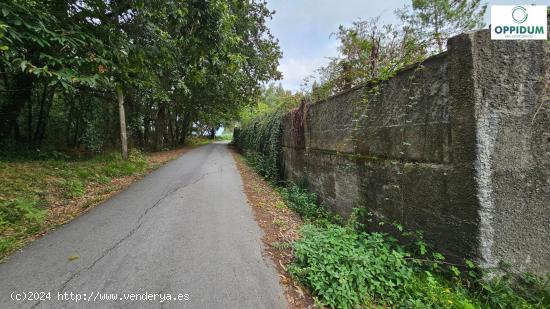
(94, 296)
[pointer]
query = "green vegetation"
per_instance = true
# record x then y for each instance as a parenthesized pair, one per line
(198, 141)
(19, 217)
(303, 203)
(346, 269)
(349, 268)
(371, 51)
(346, 266)
(262, 140)
(225, 137)
(78, 74)
(30, 188)
(435, 21)
(81, 78)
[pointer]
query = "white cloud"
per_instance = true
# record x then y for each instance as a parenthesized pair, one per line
(303, 28)
(295, 70)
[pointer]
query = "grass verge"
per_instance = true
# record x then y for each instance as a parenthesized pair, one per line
(39, 195)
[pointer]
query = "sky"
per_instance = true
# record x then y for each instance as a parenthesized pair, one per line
(303, 28)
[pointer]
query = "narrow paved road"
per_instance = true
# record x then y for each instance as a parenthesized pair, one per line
(184, 229)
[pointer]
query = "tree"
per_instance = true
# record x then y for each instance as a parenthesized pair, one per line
(273, 98)
(436, 20)
(41, 54)
(161, 66)
(369, 50)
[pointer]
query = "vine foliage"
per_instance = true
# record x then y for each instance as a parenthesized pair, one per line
(261, 141)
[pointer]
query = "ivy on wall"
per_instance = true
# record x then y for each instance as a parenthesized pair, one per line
(261, 140)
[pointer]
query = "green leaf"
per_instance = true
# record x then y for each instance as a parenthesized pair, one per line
(23, 65)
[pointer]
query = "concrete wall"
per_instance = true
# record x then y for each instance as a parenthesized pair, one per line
(457, 146)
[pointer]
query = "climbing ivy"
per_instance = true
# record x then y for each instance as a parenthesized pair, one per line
(261, 140)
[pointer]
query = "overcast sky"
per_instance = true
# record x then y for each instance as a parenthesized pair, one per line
(303, 28)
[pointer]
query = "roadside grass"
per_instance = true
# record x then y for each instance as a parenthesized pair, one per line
(202, 140)
(40, 193)
(198, 141)
(225, 137)
(345, 266)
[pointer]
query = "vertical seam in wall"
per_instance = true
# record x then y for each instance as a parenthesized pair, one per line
(486, 130)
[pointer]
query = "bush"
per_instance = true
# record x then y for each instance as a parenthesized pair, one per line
(346, 269)
(303, 202)
(20, 210)
(116, 167)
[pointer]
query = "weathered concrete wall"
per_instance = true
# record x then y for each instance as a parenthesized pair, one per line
(510, 86)
(457, 146)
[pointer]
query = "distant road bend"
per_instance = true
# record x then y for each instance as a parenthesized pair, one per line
(184, 230)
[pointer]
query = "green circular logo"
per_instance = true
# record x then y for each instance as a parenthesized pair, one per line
(519, 14)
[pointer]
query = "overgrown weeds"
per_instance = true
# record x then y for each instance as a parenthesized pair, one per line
(346, 269)
(304, 203)
(345, 266)
(30, 187)
(198, 141)
(224, 137)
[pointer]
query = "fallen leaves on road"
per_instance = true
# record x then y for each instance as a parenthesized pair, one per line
(73, 257)
(280, 226)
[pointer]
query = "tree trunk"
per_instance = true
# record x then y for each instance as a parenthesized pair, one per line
(123, 137)
(69, 106)
(44, 114)
(185, 128)
(160, 128)
(29, 123)
(21, 93)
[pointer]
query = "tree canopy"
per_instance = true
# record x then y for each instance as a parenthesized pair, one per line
(434, 21)
(176, 64)
(370, 50)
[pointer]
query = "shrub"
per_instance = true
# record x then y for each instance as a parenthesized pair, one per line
(19, 210)
(7, 243)
(73, 188)
(303, 202)
(346, 269)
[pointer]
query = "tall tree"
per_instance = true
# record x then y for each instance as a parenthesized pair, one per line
(437, 20)
(167, 65)
(368, 50)
(42, 53)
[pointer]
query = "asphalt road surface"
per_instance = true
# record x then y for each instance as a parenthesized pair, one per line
(184, 233)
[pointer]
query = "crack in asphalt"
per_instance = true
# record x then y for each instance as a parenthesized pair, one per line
(192, 216)
(127, 236)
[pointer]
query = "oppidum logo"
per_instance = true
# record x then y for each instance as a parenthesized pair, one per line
(520, 22)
